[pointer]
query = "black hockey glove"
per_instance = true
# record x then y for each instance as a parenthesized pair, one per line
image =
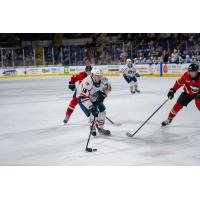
(94, 110)
(137, 75)
(72, 86)
(101, 96)
(171, 93)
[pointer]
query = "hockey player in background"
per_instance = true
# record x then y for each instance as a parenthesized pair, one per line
(74, 79)
(92, 92)
(130, 74)
(191, 83)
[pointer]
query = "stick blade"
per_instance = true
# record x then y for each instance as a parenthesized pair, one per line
(90, 149)
(129, 134)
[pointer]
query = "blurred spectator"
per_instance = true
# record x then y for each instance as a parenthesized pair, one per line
(105, 49)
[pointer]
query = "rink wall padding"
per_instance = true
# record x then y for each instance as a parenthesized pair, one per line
(154, 70)
(46, 75)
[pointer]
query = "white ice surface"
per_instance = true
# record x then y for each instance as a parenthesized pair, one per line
(32, 133)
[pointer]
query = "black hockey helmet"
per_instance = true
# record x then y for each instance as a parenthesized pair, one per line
(88, 68)
(193, 67)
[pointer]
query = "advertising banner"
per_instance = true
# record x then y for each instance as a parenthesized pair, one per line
(110, 70)
(174, 69)
(66, 70)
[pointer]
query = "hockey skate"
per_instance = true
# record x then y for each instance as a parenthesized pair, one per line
(66, 120)
(132, 92)
(166, 122)
(104, 132)
(138, 91)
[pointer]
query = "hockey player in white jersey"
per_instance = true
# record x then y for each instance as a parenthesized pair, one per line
(130, 74)
(92, 92)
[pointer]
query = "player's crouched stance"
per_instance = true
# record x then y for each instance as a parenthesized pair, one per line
(191, 82)
(130, 74)
(92, 92)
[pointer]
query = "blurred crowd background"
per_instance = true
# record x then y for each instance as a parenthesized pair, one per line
(31, 49)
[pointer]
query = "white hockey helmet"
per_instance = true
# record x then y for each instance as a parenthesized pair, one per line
(128, 60)
(97, 72)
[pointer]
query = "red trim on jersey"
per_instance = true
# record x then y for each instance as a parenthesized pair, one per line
(85, 100)
(83, 94)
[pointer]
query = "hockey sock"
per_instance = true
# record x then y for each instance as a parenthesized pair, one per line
(197, 102)
(177, 107)
(71, 106)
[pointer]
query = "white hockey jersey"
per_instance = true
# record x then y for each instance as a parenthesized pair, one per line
(88, 91)
(129, 70)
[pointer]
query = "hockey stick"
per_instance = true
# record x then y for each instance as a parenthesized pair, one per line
(132, 134)
(110, 120)
(88, 149)
(113, 123)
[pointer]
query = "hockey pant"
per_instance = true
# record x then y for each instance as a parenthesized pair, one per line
(183, 100)
(132, 81)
